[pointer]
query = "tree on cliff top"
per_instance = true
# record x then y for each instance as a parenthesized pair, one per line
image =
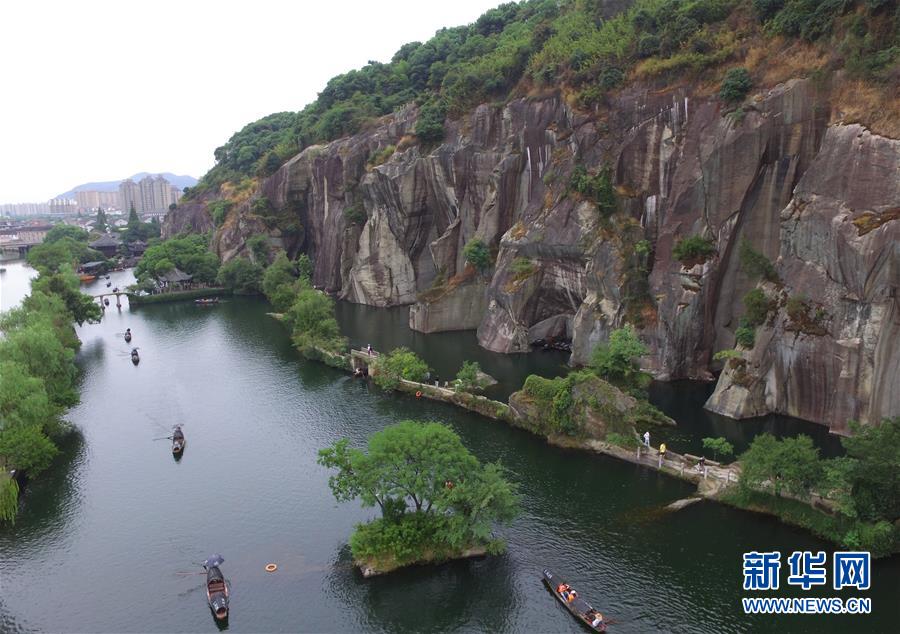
(432, 492)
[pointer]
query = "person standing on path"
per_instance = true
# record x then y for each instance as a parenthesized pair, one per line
(647, 439)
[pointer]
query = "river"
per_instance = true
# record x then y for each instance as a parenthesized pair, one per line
(104, 536)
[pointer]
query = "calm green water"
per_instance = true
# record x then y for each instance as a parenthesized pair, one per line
(102, 537)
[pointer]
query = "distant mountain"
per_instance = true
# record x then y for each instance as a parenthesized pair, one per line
(110, 186)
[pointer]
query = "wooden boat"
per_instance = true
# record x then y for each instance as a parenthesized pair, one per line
(578, 607)
(127, 337)
(178, 441)
(106, 301)
(216, 588)
(135, 357)
(84, 277)
(206, 301)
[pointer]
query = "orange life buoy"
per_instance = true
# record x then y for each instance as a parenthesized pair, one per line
(271, 567)
(418, 394)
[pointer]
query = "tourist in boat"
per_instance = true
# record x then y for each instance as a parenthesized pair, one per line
(597, 620)
(572, 596)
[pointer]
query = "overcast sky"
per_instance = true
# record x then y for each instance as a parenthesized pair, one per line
(93, 91)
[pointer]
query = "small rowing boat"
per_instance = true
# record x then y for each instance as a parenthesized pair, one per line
(578, 607)
(207, 301)
(178, 441)
(216, 588)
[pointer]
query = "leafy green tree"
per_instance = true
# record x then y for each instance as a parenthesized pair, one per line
(278, 283)
(189, 254)
(37, 348)
(430, 124)
(26, 447)
(467, 377)
(311, 319)
(736, 85)
(101, 225)
(399, 363)
(65, 285)
(790, 465)
(163, 266)
(718, 446)
(241, 275)
(616, 361)
(874, 471)
(23, 399)
(304, 268)
(60, 231)
(477, 254)
(432, 492)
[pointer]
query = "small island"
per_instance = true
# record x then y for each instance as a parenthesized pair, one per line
(437, 501)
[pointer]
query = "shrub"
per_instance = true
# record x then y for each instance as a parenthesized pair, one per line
(736, 85)
(727, 355)
(522, 268)
(477, 254)
(597, 188)
(757, 306)
(262, 207)
(467, 377)
(718, 446)
(693, 250)
(755, 263)
(259, 247)
(616, 361)
(628, 441)
(382, 155)
(355, 214)
(745, 336)
(399, 363)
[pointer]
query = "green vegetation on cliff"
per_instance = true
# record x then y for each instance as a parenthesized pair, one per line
(436, 499)
(517, 49)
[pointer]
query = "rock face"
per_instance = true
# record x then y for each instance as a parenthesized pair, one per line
(841, 251)
(772, 173)
(188, 217)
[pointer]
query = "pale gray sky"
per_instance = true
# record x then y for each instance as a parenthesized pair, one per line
(93, 90)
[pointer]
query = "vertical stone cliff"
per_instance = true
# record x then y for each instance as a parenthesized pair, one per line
(820, 200)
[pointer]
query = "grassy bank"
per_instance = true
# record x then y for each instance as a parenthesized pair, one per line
(882, 538)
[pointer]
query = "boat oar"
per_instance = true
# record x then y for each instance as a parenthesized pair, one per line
(164, 438)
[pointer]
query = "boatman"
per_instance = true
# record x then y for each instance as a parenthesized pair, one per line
(598, 619)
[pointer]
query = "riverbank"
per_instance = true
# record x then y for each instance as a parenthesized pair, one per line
(374, 567)
(177, 296)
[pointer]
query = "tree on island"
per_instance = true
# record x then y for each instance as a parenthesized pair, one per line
(100, 224)
(436, 499)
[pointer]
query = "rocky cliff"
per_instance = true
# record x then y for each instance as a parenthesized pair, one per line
(385, 220)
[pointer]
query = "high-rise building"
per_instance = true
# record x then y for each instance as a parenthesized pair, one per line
(91, 200)
(152, 194)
